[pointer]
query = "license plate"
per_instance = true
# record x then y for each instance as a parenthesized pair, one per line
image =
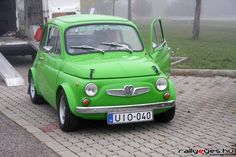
(133, 117)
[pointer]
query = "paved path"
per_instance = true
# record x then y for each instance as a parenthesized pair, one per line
(205, 119)
(16, 141)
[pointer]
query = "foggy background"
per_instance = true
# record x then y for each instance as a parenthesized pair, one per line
(211, 9)
(215, 48)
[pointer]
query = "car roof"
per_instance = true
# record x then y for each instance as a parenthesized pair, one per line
(75, 19)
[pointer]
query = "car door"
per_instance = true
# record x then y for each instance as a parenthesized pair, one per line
(40, 64)
(159, 50)
(52, 61)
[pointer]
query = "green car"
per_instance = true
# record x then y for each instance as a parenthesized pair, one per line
(96, 67)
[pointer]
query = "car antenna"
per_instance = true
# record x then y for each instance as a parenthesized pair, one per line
(91, 73)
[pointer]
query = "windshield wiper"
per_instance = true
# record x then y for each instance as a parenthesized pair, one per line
(115, 44)
(87, 47)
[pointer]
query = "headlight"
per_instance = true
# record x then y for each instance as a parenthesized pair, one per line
(161, 84)
(91, 89)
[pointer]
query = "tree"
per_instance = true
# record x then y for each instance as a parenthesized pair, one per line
(196, 23)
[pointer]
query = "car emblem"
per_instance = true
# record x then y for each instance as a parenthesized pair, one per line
(129, 89)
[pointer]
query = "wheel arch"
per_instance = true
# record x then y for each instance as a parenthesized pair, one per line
(69, 96)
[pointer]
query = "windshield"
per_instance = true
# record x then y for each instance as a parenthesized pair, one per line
(102, 37)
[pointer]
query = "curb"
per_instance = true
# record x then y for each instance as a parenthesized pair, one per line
(177, 60)
(37, 133)
(203, 72)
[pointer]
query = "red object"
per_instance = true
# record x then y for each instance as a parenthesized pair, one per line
(39, 33)
(167, 96)
(86, 102)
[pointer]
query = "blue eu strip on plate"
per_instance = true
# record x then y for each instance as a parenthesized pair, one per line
(110, 118)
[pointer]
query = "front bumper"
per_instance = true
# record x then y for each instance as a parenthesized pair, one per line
(125, 108)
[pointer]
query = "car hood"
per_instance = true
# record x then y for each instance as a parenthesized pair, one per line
(113, 65)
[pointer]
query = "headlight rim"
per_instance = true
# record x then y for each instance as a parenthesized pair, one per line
(86, 90)
(162, 78)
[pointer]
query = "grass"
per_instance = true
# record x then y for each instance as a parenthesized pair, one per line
(215, 49)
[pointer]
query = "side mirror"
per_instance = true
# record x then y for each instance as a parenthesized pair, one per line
(39, 34)
(47, 48)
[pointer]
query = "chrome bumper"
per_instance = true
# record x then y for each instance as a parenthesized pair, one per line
(125, 108)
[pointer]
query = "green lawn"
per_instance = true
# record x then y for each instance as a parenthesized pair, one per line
(216, 48)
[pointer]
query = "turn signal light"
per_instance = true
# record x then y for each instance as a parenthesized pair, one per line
(167, 96)
(86, 102)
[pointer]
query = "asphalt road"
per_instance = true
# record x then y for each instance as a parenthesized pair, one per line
(16, 141)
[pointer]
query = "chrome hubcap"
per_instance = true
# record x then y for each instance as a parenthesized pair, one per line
(32, 88)
(62, 110)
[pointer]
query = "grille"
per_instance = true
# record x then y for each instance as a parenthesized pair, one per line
(131, 91)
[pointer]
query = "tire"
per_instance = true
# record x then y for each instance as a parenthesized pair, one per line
(34, 96)
(67, 120)
(166, 117)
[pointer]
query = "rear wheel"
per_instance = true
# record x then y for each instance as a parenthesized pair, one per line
(35, 98)
(67, 120)
(166, 116)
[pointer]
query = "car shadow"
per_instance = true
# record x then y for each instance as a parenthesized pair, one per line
(101, 127)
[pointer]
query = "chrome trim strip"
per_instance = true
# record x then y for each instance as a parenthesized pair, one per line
(125, 108)
(122, 93)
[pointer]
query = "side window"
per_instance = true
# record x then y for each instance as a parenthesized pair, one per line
(54, 40)
(58, 45)
(52, 37)
(43, 41)
(158, 38)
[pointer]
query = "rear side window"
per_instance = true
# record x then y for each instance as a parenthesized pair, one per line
(44, 38)
(58, 44)
(52, 37)
(54, 40)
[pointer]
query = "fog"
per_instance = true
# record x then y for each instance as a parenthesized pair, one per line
(211, 9)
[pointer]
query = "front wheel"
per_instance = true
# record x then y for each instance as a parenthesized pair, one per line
(67, 120)
(35, 98)
(166, 116)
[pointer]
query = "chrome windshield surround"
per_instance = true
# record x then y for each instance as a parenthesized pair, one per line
(125, 108)
(128, 90)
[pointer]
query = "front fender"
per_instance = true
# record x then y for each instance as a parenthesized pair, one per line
(69, 95)
(172, 90)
